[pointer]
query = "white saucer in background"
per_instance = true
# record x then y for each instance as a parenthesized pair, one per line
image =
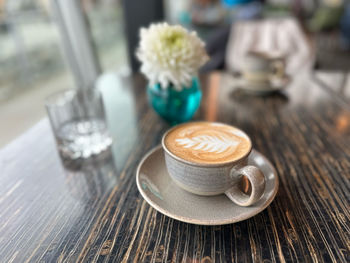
(261, 88)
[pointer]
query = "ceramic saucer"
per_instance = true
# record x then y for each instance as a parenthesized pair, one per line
(276, 84)
(158, 189)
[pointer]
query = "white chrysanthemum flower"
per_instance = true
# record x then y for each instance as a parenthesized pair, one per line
(170, 55)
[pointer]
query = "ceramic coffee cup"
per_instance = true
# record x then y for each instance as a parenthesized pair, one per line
(214, 177)
(259, 68)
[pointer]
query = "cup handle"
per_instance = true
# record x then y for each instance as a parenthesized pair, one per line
(278, 68)
(257, 181)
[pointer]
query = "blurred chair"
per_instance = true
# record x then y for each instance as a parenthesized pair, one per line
(276, 37)
(216, 45)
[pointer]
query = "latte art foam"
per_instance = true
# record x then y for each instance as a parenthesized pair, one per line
(206, 142)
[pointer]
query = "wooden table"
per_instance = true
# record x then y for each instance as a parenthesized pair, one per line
(337, 82)
(54, 211)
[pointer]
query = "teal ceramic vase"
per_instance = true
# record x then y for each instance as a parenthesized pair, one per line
(175, 106)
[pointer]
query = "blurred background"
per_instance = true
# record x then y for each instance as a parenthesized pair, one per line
(50, 45)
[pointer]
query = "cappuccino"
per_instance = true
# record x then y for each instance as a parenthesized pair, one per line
(207, 143)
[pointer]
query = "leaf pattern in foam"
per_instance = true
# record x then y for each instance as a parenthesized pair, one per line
(208, 143)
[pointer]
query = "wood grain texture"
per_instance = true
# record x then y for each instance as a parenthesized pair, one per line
(52, 210)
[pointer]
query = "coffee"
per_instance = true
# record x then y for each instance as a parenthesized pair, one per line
(207, 142)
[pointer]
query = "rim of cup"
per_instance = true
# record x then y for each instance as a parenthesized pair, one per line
(204, 164)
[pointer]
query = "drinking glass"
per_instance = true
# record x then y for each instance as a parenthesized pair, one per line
(78, 122)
